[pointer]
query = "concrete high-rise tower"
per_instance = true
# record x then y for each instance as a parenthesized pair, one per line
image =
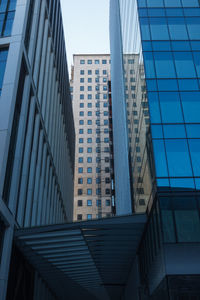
(93, 186)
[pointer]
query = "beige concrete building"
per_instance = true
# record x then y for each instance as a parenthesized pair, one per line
(93, 158)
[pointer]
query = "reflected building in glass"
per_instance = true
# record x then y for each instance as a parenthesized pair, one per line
(155, 72)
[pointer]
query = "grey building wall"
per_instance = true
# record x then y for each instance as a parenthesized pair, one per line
(36, 126)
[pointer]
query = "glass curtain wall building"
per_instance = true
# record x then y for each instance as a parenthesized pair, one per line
(155, 54)
(37, 137)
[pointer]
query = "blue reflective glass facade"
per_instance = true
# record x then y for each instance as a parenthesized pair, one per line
(170, 35)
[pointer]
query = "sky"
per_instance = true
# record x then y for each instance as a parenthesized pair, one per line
(86, 27)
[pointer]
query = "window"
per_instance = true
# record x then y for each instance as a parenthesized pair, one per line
(80, 150)
(97, 72)
(97, 113)
(105, 122)
(80, 191)
(105, 87)
(97, 79)
(89, 131)
(81, 97)
(89, 122)
(89, 72)
(98, 140)
(81, 113)
(105, 96)
(98, 180)
(89, 191)
(81, 131)
(98, 170)
(98, 159)
(89, 140)
(105, 113)
(106, 149)
(89, 150)
(98, 104)
(6, 17)
(105, 104)
(89, 61)
(107, 202)
(107, 170)
(81, 88)
(106, 130)
(98, 202)
(89, 216)
(82, 72)
(80, 170)
(89, 113)
(97, 87)
(3, 58)
(89, 80)
(89, 88)
(89, 170)
(107, 191)
(89, 96)
(89, 159)
(80, 202)
(79, 217)
(107, 159)
(106, 140)
(107, 179)
(104, 61)
(96, 61)
(81, 79)
(82, 61)
(98, 150)
(97, 96)
(104, 72)
(104, 79)
(81, 122)
(89, 180)
(81, 105)
(80, 140)
(89, 202)
(80, 180)
(80, 159)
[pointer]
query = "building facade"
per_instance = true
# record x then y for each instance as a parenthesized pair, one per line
(155, 47)
(92, 105)
(37, 137)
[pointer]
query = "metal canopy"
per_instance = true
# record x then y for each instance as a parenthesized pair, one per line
(89, 259)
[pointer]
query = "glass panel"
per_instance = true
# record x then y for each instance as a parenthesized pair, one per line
(190, 3)
(172, 3)
(168, 226)
(156, 131)
(174, 131)
(197, 62)
(194, 146)
(192, 12)
(159, 30)
(160, 158)
(161, 45)
(188, 85)
(193, 131)
(147, 46)
(156, 12)
(164, 65)
(184, 64)
(155, 3)
(168, 84)
(163, 183)
(174, 12)
(177, 153)
(171, 111)
(145, 28)
(182, 183)
(149, 65)
(3, 5)
(8, 25)
(193, 25)
(154, 107)
(151, 85)
(181, 46)
(12, 5)
(177, 29)
(191, 106)
(187, 225)
(195, 45)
